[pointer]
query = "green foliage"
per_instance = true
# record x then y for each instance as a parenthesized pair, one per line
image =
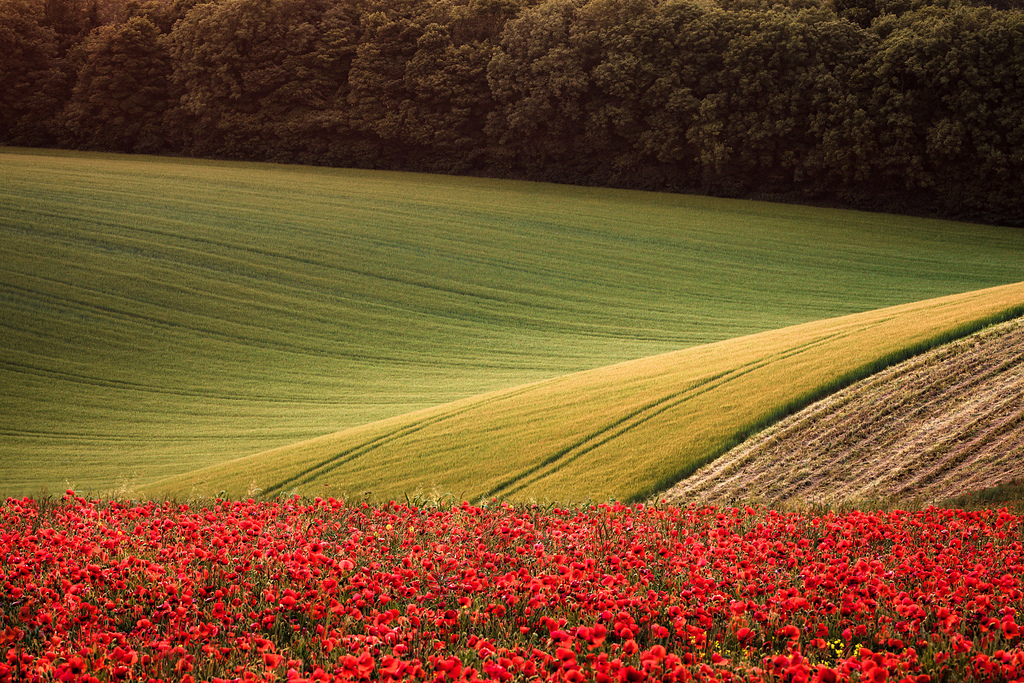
(951, 95)
(30, 78)
(763, 124)
(121, 91)
(71, 20)
(418, 86)
(254, 74)
(912, 105)
(538, 81)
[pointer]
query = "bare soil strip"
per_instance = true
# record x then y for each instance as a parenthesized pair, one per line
(943, 424)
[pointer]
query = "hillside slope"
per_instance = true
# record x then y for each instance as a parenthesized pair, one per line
(159, 315)
(621, 431)
(946, 423)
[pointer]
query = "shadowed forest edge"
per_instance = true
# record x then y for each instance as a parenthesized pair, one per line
(900, 105)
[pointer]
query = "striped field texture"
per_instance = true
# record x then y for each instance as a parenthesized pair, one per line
(941, 425)
(160, 315)
(621, 432)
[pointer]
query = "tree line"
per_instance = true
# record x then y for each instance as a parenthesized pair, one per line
(912, 105)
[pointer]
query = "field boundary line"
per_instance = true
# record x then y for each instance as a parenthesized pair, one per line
(844, 381)
(638, 417)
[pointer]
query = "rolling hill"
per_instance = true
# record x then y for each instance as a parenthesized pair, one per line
(161, 315)
(945, 424)
(624, 431)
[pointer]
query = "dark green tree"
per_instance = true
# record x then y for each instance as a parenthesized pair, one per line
(31, 81)
(379, 101)
(688, 66)
(71, 20)
(419, 89)
(949, 97)
(539, 84)
(450, 100)
(254, 74)
(624, 47)
(782, 87)
(121, 91)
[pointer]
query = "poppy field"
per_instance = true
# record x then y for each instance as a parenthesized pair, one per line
(327, 590)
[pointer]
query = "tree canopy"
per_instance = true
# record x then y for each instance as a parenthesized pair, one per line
(914, 105)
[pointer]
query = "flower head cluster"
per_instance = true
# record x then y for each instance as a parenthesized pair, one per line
(331, 591)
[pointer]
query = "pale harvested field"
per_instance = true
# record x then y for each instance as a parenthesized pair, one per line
(945, 423)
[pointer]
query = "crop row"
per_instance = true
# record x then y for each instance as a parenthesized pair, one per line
(326, 590)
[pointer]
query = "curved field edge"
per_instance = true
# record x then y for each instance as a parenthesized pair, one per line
(944, 424)
(1009, 494)
(625, 431)
(161, 315)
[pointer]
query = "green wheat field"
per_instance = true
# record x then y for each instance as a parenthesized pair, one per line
(352, 331)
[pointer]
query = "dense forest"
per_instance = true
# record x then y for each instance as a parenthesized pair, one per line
(912, 105)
